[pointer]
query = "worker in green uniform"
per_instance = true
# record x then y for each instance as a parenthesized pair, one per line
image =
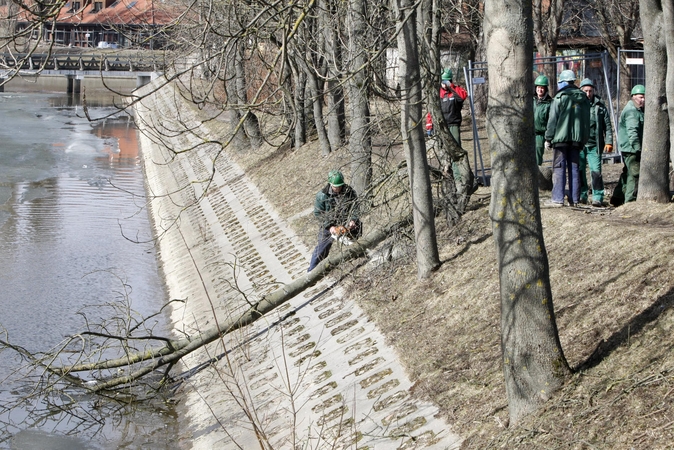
(335, 207)
(542, 102)
(601, 140)
(630, 136)
(567, 133)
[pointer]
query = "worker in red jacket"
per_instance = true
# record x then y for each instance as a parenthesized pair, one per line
(429, 125)
(452, 97)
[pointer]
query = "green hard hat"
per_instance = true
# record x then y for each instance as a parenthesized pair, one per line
(447, 75)
(639, 89)
(541, 80)
(586, 82)
(336, 178)
(567, 75)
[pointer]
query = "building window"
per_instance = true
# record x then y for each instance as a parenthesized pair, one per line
(76, 6)
(97, 7)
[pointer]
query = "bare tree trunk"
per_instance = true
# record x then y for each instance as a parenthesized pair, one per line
(455, 196)
(315, 95)
(547, 23)
(231, 86)
(334, 93)
(480, 95)
(533, 362)
(668, 15)
(360, 144)
(251, 124)
(300, 120)
(616, 19)
(654, 174)
(317, 101)
(409, 79)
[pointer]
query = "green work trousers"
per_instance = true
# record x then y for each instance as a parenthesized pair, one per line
(455, 131)
(628, 184)
(590, 157)
(540, 148)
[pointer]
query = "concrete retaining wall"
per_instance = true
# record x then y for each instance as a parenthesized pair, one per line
(313, 374)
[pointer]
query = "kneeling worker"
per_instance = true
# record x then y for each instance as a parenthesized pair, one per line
(336, 207)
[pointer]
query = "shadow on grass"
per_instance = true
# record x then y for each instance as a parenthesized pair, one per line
(631, 328)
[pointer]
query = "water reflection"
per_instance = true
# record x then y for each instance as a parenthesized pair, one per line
(71, 202)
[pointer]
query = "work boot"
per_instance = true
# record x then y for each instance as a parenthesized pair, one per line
(615, 201)
(551, 204)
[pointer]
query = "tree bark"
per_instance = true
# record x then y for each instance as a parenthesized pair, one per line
(315, 94)
(251, 124)
(616, 20)
(409, 79)
(533, 362)
(360, 144)
(668, 16)
(547, 23)
(334, 94)
(232, 112)
(654, 173)
(300, 120)
(455, 196)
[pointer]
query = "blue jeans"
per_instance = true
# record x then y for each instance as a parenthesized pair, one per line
(322, 249)
(565, 159)
(325, 241)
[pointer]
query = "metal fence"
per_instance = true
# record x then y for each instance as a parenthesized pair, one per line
(589, 65)
(634, 59)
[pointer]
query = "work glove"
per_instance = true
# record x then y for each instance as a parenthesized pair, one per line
(547, 145)
(338, 230)
(608, 148)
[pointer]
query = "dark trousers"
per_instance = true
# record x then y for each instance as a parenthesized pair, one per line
(325, 243)
(322, 249)
(628, 184)
(565, 160)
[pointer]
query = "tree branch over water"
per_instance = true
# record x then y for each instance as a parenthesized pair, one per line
(173, 350)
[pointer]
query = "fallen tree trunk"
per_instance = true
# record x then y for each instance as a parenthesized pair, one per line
(174, 350)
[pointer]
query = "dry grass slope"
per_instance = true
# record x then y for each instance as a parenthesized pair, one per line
(613, 293)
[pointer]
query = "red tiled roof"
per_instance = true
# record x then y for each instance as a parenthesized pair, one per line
(121, 12)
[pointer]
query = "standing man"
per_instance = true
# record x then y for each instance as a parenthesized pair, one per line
(567, 133)
(630, 136)
(601, 140)
(336, 207)
(542, 102)
(451, 102)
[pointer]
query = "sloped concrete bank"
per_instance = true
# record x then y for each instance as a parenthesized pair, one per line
(313, 374)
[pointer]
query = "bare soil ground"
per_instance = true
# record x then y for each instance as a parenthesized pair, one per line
(613, 290)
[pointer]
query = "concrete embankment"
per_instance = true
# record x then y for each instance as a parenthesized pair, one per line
(315, 373)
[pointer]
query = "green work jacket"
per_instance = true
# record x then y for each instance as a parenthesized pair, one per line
(631, 129)
(601, 128)
(541, 113)
(569, 121)
(334, 209)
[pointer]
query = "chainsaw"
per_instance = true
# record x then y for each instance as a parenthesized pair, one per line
(341, 235)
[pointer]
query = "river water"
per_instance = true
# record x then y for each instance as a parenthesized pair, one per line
(71, 204)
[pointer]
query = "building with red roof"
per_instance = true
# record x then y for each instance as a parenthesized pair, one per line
(106, 24)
